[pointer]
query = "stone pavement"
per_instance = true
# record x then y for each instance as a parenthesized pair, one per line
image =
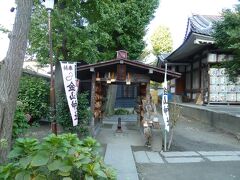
(200, 147)
(185, 156)
(118, 151)
(120, 157)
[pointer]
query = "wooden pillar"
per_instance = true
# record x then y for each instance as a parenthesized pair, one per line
(93, 87)
(191, 84)
(208, 88)
(200, 75)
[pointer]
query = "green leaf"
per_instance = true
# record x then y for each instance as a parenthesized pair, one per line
(78, 164)
(61, 154)
(55, 165)
(40, 177)
(85, 160)
(63, 173)
(59, 165)
(5, 171)
(40, 159)
(24, 162)
(15, 153)
(87, 177)
(65, 168)
(24, 175)
(96, 166)
(101, 173)
(67, 178)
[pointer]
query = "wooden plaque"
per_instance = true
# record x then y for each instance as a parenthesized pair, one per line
(121, 72)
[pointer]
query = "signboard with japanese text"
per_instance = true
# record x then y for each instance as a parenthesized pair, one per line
(69, 80)
(165, 110)
(221, 89)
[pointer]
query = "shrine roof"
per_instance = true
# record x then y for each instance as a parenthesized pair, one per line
(133, 66)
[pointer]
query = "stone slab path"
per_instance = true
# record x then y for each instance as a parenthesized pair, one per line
(120, 157)
(185, 156)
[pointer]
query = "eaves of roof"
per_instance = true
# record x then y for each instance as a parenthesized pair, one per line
(156, 75)
(34, 73)
(193, 43)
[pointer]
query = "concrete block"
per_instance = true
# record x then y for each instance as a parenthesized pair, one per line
(223, 158)
(218, 153)
(178, 154)
(184, 159)
(120, 157)
(154, 157)
(141, 157)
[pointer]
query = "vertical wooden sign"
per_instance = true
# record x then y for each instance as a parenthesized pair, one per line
(121, 72)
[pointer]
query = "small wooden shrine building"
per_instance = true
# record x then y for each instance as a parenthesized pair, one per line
(120, 71)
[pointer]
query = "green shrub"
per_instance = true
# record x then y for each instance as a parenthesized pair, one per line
(121, 112)
(55, 158)
(34, 94)
(20, 124)
(64, 117)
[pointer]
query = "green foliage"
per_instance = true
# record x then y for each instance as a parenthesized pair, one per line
(161, 40)
(34, 94)
(121, 112)
(56, 157)
(217, 65)
(91, 30)
(155, 85)
(20, 124)
(3, 29)
(227, 37)
(64, 116)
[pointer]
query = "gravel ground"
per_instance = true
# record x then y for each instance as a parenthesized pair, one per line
(191, 135)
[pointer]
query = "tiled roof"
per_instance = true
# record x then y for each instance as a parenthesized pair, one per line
(201, 24)
(34, 67)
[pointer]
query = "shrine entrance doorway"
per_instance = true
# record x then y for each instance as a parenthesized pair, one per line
(119, 71)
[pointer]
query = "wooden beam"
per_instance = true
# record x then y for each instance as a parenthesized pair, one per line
(178, 64)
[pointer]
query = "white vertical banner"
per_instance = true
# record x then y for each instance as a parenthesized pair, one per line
(165, 110)
(69, 80)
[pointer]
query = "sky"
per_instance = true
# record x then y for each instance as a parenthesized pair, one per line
(6, 20)
(171, 13)
(174, 14)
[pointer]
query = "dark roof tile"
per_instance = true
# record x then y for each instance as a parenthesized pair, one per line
(201, 24)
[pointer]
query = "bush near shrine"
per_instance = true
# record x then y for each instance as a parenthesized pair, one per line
(56, 157)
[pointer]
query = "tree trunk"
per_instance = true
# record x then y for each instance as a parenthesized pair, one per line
(11, 70)
(111, 99)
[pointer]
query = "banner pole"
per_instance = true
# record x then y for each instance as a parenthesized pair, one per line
(165, 132)
(165, 140)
